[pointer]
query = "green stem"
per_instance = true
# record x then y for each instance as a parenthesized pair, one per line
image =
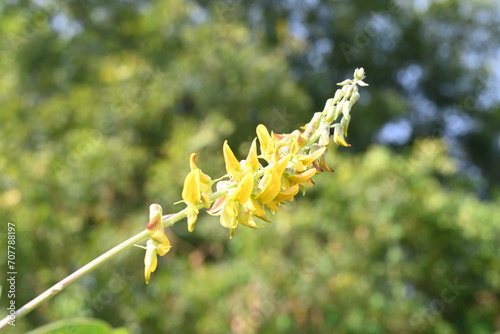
(94, 264)
(58, 287)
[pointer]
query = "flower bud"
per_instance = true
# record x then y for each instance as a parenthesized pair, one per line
(354, 98)
(347, 91)
(359, 74)
(345, 122)
(346, 109)
(338, 95)
(338, 135)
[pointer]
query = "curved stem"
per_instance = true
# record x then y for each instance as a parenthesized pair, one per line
(58, 287)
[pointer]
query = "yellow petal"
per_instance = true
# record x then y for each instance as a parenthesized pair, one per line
(192, 163)
(164, 247)
(308, 159)
(254, 207)
(244, 189)
(287, 195)
(252, 160)
(191, 190)
(298, 143)
(192, 217)
(271, 181)
(232, 163)
(338, 135)
(272, 205)
(245, 218)
(271, 185)
(282, 163)
(150, 260)
(264, 139)
(302, 177)
(231, 209)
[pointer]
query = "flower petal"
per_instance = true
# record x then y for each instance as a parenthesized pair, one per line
(254, 207)
(232, 163)
(150, 260)
(252, 160)
(338, 135)
(191, 190)
(265, 140)
(302, 177)
(308, 159)
(287, 195)
(271, 184)
(244, 189)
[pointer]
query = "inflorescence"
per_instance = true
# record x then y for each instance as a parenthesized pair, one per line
(249, 189)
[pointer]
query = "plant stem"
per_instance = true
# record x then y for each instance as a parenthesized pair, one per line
(58, 287)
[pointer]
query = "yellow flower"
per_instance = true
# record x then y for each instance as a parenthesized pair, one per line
(270, 184)
(232, 207)
(197, 189)
(158, 244)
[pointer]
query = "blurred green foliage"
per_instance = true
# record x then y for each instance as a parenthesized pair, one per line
(101, 106)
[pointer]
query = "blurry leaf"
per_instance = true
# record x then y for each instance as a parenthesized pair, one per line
(78, 326)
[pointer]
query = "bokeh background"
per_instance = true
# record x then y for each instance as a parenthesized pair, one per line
(102, 102)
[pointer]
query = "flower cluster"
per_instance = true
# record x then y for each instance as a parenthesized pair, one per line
(254, 189)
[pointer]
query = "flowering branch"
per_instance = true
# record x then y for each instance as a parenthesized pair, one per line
(247, 190)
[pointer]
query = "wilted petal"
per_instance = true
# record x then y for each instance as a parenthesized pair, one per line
(321, 165)
(155, 218)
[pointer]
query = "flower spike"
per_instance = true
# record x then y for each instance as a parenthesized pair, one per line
(250, 190)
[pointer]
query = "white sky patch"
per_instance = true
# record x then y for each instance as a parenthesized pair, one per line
(397, 132)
